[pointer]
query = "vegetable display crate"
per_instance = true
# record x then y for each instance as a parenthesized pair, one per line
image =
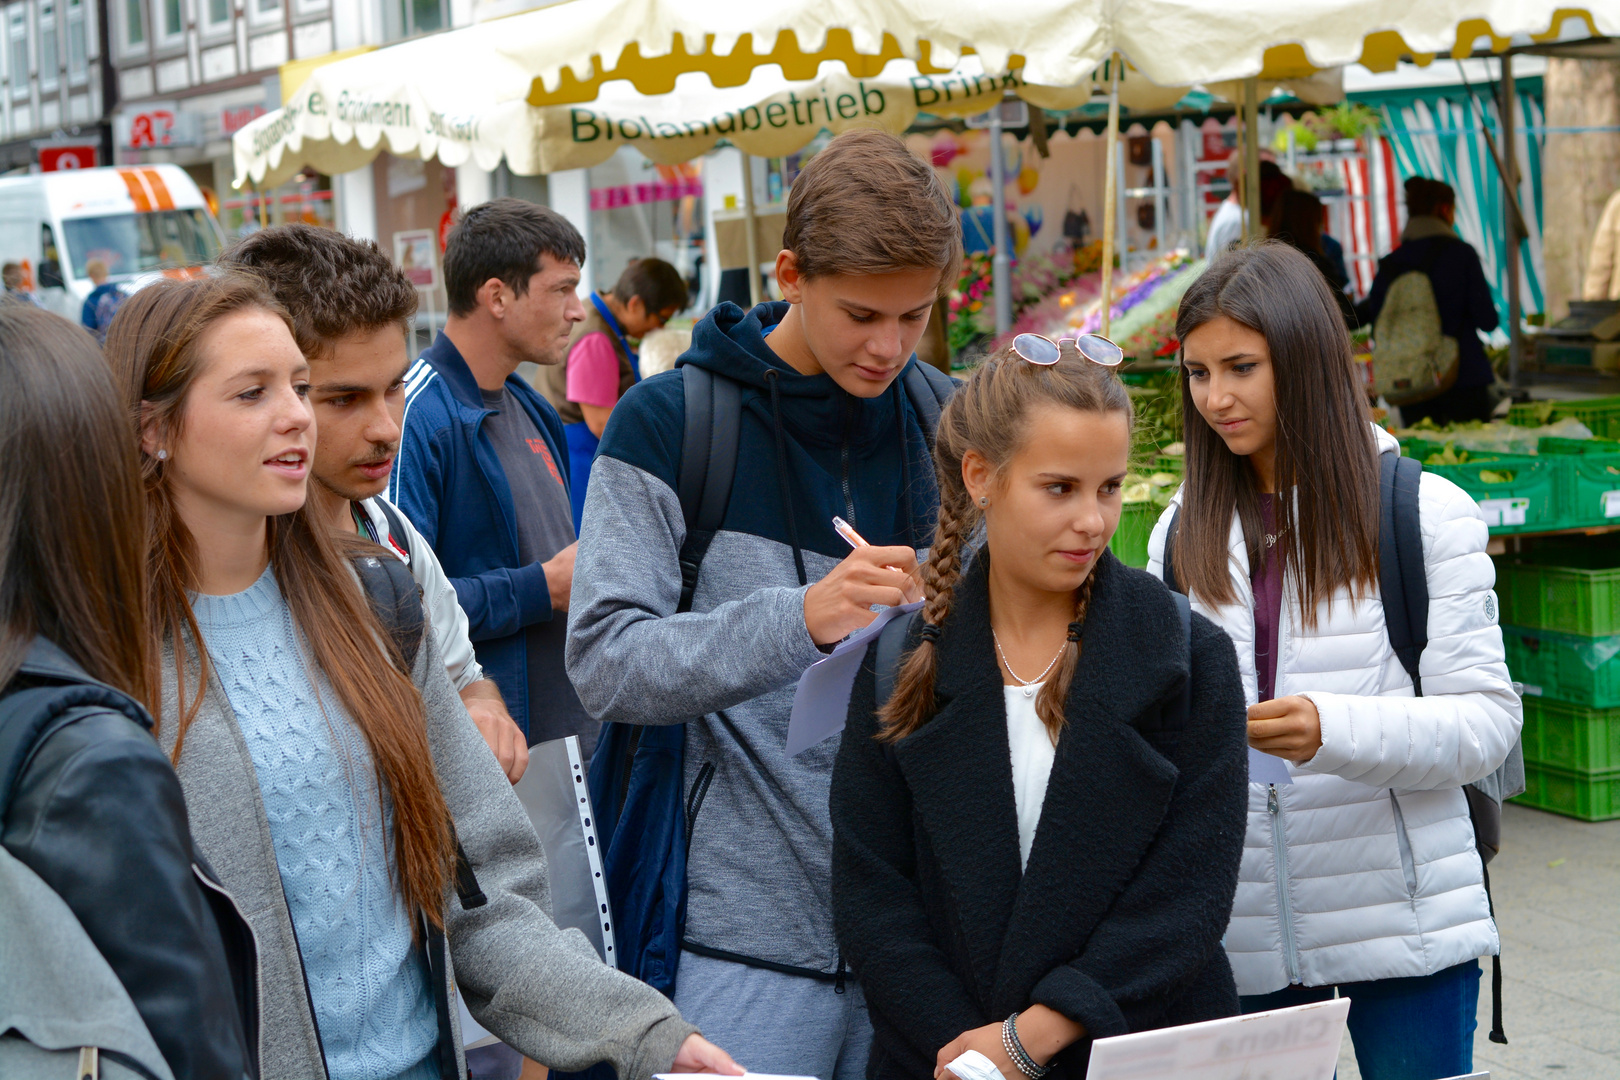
(1584, 671)
(1590, 798)
(1575, 738)
(1516, 493)
(1602, 415)
(1592, 488)
(1169, 463)
(1573, 588)
(1130, 542)
(1549, 444)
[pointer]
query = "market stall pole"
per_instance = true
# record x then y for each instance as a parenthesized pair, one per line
(1000, 262)
(1251, 158)
(1110, 148)
(749, 224)
(1508, 171)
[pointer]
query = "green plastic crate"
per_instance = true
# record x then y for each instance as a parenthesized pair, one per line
(1592, 489)
(1601, 415)
(1576, 738)
(1130, 542)
(1585, 671)
(1530, 501)
(1169, 463)
(1548, 444)
(1570, 587)
(1590, 798)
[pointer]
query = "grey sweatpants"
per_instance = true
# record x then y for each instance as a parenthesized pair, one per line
(774, 1023)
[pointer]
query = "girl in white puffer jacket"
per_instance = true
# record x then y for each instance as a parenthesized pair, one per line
(1361, 874)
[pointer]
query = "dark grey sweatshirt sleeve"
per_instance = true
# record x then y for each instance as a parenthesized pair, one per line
(630, 656)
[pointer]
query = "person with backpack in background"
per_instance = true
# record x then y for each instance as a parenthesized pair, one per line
(710, 577)
(352, 312)
(102, 303)
(1434, 328)
(332, 775)
(1037, 821)
(1362, 870)
(114, 933)
(482, 470)
(601, 365)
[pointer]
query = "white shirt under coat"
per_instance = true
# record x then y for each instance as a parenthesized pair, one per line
(1032, 754)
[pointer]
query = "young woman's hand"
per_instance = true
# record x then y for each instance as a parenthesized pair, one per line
(841, 603)
(987, 1041)
(699, 1055)
(1287, 727)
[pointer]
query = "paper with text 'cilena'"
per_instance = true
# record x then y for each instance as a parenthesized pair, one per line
(821, 701)
(1300, 1043)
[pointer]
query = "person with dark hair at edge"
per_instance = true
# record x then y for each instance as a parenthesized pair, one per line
(1430, 244)
(827, 427)
(1036, 831)
(94, 812)
(352, 312)
(331, 773)
(602, 364)
(1362, 873)
(483, 467)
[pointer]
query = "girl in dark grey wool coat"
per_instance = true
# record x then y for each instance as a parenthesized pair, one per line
(1036, 840)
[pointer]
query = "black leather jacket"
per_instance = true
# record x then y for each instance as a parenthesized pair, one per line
(97, 812)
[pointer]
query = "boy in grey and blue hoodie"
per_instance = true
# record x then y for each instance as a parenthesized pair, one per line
(826, 429)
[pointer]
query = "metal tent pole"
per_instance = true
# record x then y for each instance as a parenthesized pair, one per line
(1000, 261)
(1509, 171)
(1110, 211)
(752, 239)
(1251, 156)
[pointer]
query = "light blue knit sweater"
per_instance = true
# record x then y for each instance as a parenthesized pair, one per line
(370, 990)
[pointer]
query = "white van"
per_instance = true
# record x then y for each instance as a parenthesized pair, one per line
(141, 221)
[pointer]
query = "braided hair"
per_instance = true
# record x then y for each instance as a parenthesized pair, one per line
(987, 415)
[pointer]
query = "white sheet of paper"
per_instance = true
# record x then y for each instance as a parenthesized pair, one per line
(821, 701)
(1266, 769)
(473, 1034)
(1301, 1043)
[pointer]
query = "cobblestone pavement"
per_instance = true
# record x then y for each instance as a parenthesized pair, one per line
(1557, 891)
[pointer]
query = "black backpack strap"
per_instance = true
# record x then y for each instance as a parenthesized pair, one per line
(398, 534)
(1184, 704)
(1403, 583)
(396, 600)
(1169, 564)
(713, 421)
(929, 389)
(891, 646)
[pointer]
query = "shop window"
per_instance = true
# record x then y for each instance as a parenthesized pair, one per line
(134, 23)
(50, 57)
(420, 17)
(264, 11)
(77, 42)
(218, 13)
(17, 31)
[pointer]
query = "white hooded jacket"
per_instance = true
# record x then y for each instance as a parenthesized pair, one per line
(1365, 867)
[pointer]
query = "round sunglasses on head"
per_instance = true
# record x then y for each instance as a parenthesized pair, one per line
(1042, 350)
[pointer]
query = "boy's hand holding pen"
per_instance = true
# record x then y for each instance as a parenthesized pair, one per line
(842, 602)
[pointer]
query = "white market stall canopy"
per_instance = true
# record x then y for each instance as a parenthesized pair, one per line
(539, 88)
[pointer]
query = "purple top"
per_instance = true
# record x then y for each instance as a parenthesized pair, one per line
(1267, 580)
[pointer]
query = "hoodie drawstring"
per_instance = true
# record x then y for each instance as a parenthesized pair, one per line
(772, 377)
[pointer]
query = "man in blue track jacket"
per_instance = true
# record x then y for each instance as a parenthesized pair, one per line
(483, 466)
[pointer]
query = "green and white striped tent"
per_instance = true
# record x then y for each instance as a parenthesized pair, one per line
(1436, 132)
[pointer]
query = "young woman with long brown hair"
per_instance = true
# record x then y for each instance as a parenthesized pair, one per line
(327, 787)
(1362, 872)
(1036, 838)
(94, 809)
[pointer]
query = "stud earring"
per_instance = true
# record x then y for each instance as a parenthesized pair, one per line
(984, 500)
(163, 455)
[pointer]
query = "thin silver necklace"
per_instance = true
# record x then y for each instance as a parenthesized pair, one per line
(1028, 685)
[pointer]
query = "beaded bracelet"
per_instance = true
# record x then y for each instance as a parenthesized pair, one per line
(1016, 1053)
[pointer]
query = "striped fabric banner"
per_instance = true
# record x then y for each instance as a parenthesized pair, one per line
(1437, 133)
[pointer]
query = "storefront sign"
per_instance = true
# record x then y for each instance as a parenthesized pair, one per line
(58, 158)
(156, 125)
(233, 120)
(608, 198)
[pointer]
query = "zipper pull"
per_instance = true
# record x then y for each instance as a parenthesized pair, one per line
(1271, 798)
(838, 983)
